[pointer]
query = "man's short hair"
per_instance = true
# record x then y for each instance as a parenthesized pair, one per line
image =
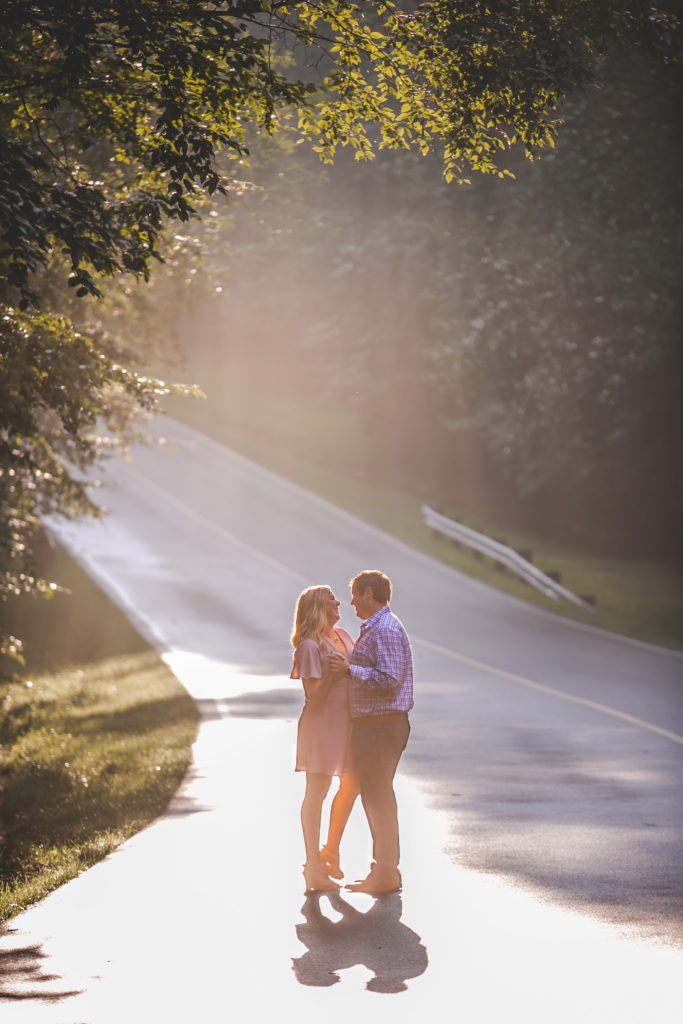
(379, 584)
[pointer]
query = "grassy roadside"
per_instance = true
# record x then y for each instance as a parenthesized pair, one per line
(637, 598)
(95, 737)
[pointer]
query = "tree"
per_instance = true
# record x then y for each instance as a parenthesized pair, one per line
(151, 90)
(116, 118)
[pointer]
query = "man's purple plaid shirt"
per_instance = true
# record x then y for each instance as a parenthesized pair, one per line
(381, 667)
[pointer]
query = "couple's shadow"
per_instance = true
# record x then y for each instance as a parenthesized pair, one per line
(377, 939)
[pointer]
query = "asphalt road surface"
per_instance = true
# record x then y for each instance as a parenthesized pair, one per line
(541, 820)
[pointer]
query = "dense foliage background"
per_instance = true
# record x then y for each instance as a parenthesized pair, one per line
(508, 342)
(510, 348)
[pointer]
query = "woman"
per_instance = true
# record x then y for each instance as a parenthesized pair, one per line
(323, 740)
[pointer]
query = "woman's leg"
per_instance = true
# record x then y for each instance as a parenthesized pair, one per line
(317, 786)
(341, 808)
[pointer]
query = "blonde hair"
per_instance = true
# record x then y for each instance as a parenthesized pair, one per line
(310, 619)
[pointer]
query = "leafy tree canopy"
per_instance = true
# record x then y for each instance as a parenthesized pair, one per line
(113, 113)
(117, 117)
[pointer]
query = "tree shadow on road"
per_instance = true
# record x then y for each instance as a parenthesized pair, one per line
(377, 939)
(22, 976)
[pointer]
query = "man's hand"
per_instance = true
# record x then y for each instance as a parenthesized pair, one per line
(337, 666)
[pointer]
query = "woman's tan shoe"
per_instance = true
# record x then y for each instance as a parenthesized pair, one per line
(317, 881)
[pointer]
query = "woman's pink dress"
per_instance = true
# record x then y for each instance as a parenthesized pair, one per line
(324, 735)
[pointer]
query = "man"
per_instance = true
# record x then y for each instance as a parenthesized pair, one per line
(380, 696)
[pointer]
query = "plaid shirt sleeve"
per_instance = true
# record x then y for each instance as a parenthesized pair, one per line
(381, 668)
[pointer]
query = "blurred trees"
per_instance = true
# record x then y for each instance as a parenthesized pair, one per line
(509, 347)
(118, 118)
(585, 418)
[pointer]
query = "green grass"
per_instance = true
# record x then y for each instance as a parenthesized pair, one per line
(95, 737)
(637, 598)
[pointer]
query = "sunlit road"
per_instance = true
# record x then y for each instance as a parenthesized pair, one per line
(539, 794)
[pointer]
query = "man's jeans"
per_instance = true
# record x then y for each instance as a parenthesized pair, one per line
(377, 743)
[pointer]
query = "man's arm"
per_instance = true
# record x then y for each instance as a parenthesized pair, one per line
(388, 670)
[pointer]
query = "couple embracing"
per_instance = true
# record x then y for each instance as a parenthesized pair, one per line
(354, 725)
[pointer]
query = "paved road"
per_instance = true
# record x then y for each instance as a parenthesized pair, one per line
(541, 823)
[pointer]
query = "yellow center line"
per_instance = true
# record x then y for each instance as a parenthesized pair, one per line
(522, 680)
